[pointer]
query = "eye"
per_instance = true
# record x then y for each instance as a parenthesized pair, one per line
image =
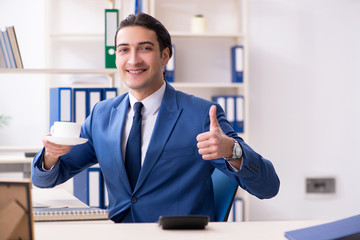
(146, 48)
(122, 50)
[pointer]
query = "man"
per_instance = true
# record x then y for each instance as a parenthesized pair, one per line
(183, 138)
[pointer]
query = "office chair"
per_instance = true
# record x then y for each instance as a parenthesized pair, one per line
(224, 194)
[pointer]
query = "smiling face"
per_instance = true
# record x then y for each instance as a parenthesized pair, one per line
(139, 61)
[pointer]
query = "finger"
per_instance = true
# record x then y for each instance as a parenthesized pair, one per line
(203, 145)
(203, 137)
(209, 156)
(57, 152)
(55, 147)
(213, 119)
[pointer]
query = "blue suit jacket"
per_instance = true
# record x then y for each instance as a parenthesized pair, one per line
(174, 179)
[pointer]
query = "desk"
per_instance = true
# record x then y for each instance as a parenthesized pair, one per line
(148, 231)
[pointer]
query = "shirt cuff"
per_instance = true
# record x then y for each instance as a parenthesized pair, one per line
(234, 168)
(43, 167)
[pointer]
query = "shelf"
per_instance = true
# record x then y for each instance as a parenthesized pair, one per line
(206, 35)
(77, 35)
(206, 85)
(201, 85)
(17, 149)
(57, 71)
(172, 33)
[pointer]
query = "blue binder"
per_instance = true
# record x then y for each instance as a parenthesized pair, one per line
(95, 186)
(89, 187)
(109, 93)
(9, 48)
(84, 101)
(5, 48)
(348, 228)
(233, 107)
(170, 67)
(237, 210)
(60, 105)
(5, 62)
(94, 95)
(239, 114)
(80, 104)
(138, 6)
(237, 63)
(81, 186)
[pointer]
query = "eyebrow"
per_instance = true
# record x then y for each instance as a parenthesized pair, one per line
(140, 43)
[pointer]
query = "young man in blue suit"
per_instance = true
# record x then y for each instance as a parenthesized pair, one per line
(183, 138)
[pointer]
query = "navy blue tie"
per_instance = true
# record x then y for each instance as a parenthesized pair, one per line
(133, 147)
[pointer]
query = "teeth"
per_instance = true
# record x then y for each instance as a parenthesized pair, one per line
(137, 71)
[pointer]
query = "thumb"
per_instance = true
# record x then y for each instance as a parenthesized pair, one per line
(213, 119)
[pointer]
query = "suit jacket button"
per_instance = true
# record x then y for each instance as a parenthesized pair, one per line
(133, 199)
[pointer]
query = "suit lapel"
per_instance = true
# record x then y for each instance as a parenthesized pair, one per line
(166, 120)
(117, 120)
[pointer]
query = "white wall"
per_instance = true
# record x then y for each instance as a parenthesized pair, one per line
(304, 106)
(22, 97)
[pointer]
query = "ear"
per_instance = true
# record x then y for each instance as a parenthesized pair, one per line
(165, 56)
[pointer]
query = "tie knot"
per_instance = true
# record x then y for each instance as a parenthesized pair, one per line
(137, 107)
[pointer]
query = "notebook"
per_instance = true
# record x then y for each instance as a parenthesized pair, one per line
(345, 229)
(69, 214)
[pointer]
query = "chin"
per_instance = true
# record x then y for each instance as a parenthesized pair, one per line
(134, 85)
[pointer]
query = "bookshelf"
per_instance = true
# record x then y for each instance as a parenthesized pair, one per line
(74, 46)
(196, 71)
(71, 41)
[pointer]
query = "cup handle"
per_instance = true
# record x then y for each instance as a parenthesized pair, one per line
(52, 130)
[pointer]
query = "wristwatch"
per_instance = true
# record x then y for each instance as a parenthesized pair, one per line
(237, 152)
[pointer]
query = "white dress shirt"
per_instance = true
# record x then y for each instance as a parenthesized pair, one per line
(149, 114)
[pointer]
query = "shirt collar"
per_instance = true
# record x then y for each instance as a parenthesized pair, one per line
(151, 103)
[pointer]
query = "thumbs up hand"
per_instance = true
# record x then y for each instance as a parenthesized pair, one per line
(214, 143)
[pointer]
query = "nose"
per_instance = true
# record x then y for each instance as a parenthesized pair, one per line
(134, 58)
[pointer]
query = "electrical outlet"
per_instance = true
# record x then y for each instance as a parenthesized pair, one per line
(320, 185)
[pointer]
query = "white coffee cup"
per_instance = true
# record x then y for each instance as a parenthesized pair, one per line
(65, 129)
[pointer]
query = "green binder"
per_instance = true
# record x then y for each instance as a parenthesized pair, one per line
(111, 25)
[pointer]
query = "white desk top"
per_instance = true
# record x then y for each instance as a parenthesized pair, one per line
(140, 231)
(11, 159)
(108, 230)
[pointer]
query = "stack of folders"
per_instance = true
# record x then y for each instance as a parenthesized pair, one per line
(69, 214)
(234, 110)
(9, 49)
(75, 104)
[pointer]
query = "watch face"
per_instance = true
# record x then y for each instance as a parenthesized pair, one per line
(237, 150)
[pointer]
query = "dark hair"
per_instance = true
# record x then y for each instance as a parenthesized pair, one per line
(151, 23)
